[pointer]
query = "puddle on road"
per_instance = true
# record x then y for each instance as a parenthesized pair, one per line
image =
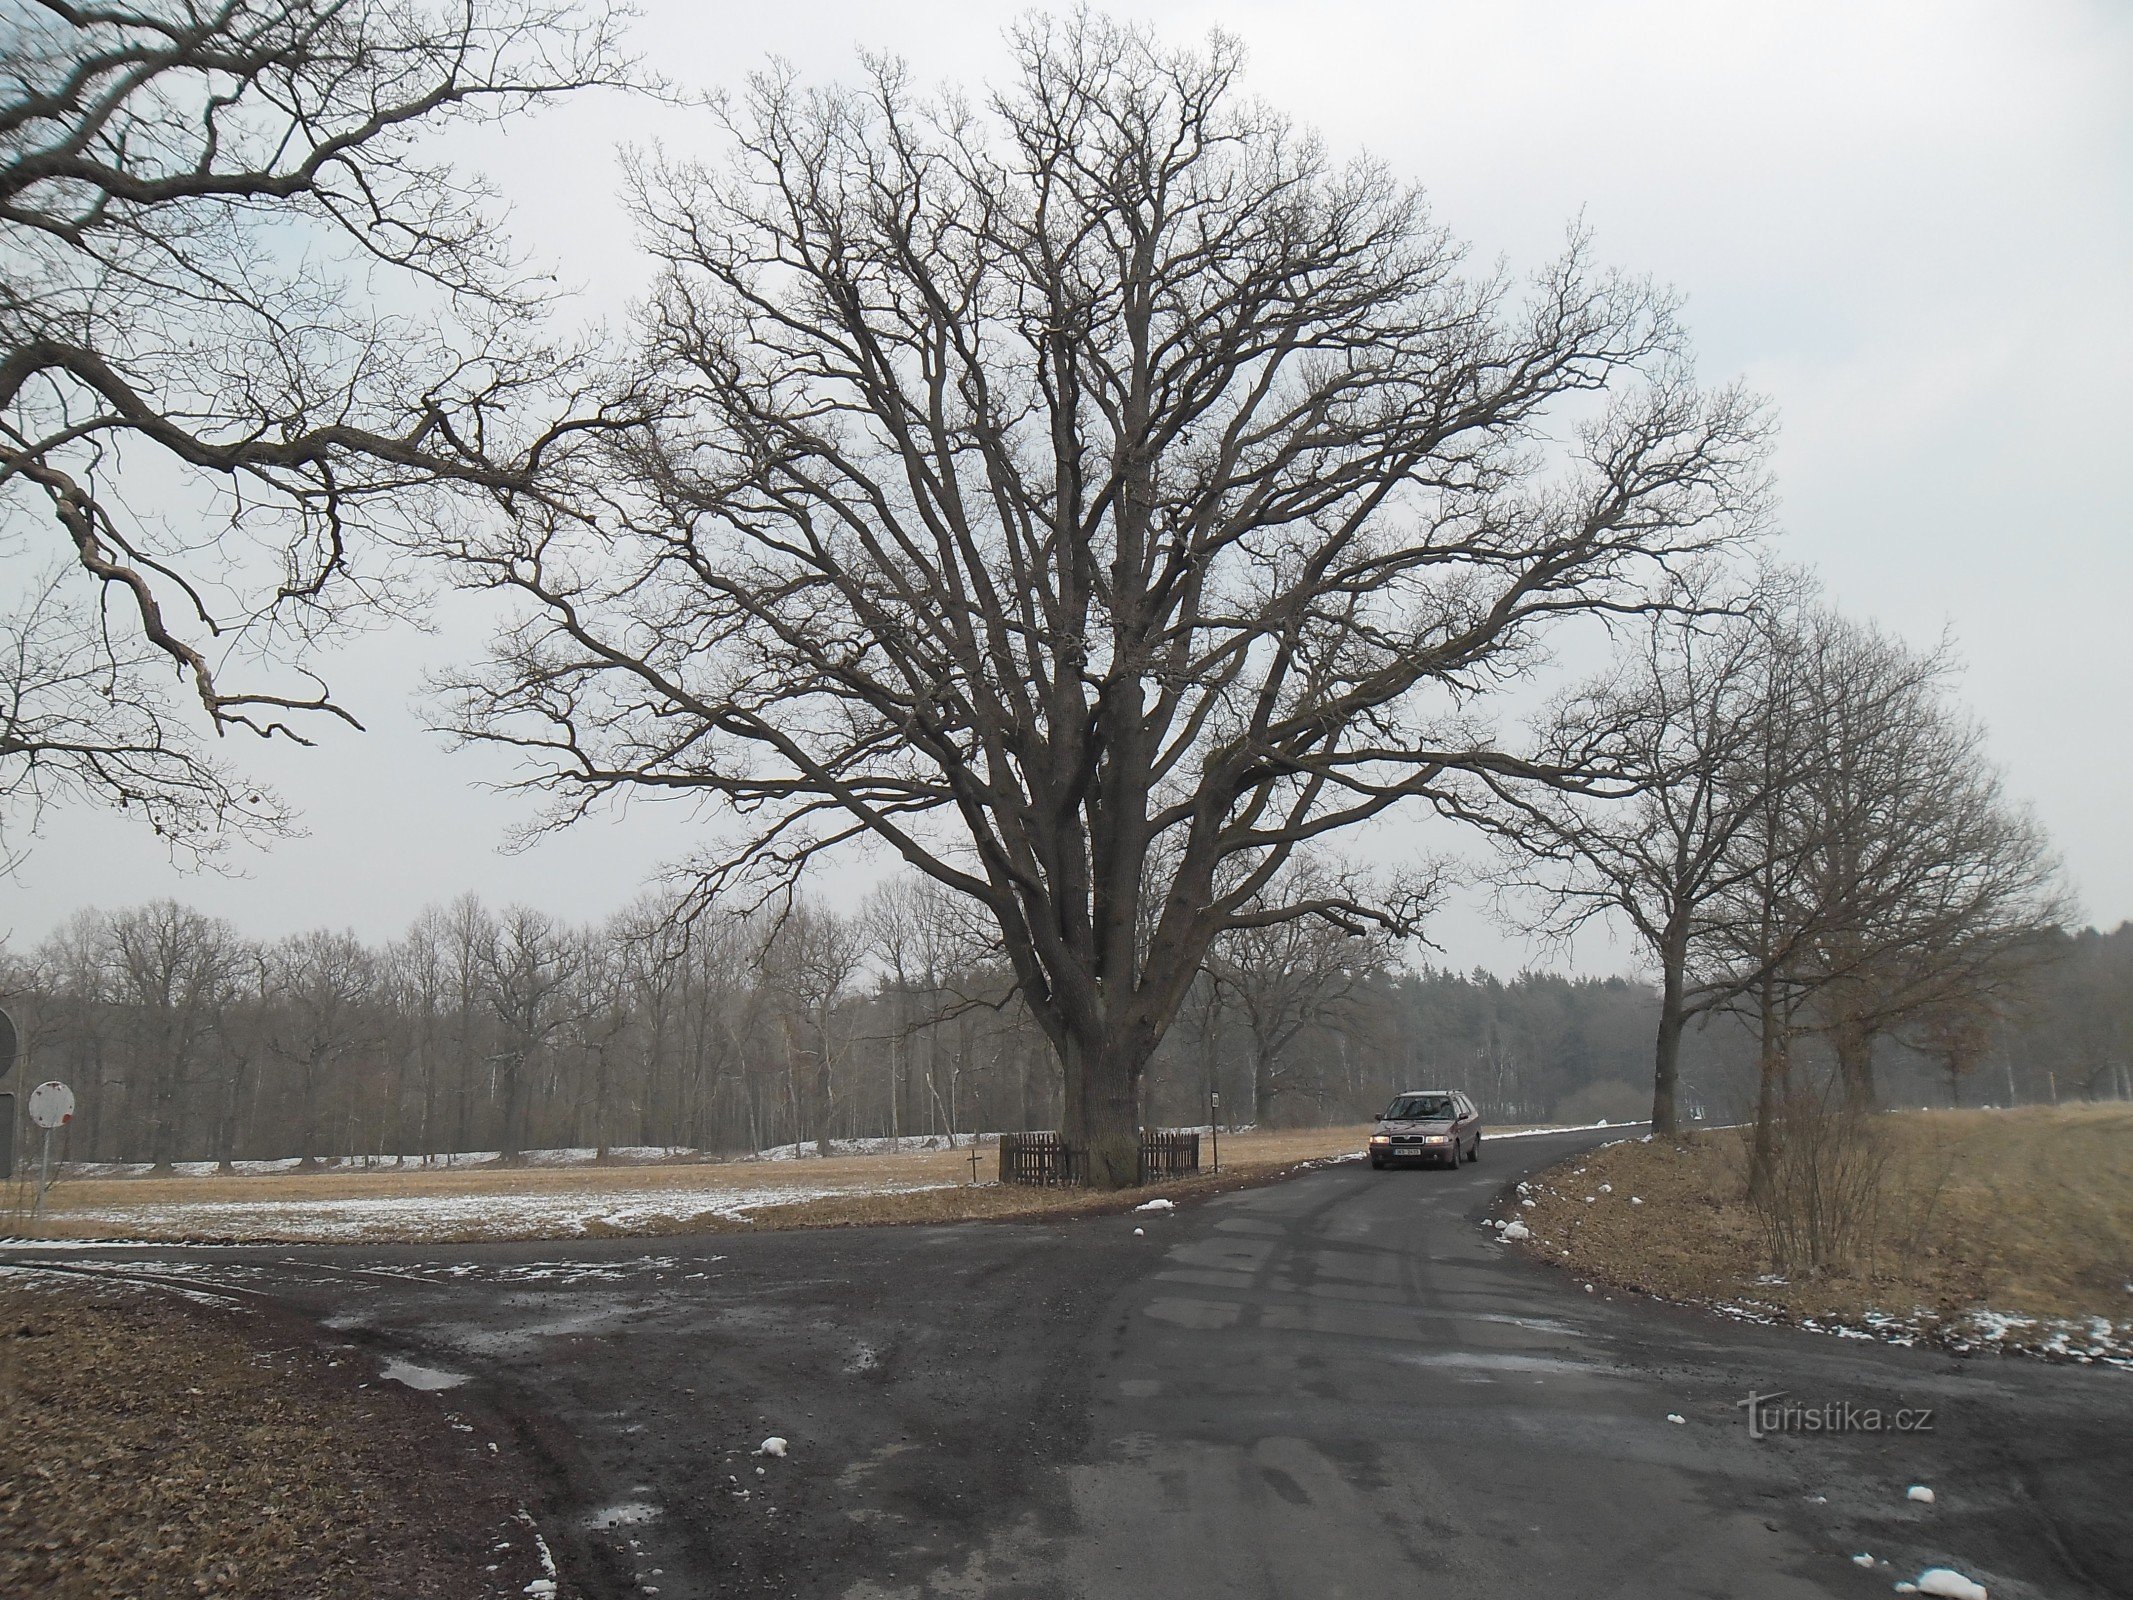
(1201, 1314)
(1498, 1361)
(1536, 1324)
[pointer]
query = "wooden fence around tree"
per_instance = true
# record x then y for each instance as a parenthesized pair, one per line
(1168, 1155)
(1046, 1160)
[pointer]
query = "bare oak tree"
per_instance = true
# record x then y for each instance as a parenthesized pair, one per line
(1093, 498)
(243, 287)
(1681, 712)
(1919, 885)
(1289, 976)
(83, 718)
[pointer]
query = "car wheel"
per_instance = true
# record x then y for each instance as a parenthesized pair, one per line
(1475, 1154)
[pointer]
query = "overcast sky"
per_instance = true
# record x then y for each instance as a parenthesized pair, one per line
(1909, 225)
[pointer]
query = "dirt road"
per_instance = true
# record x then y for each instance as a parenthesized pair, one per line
(1336, 1385)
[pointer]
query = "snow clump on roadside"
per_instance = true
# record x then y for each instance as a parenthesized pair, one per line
(1949, 1584)
(772, 1446)
(1157, 1205)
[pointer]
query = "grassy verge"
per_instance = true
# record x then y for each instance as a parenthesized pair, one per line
(2000, 1228)
(159, 1448)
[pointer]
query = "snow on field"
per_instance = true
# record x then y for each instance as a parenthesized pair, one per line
(621, 1154)
(417, 1218)
(875, 1147)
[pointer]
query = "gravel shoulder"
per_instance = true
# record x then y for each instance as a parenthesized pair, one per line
(162, 1446)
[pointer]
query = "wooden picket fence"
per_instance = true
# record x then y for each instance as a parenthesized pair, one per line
(1046, 1160)
(1168, 1155)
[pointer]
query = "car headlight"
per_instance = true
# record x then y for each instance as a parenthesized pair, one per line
(1438, 1138)
(1381, 1138)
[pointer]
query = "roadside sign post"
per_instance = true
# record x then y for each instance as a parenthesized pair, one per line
(8, 1041)
(51, 1106)
(1214, 1129)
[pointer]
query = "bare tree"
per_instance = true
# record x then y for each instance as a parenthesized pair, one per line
(1288, 976)
(811, 961)
(1914, 883)
(1957, 1035)
(1094, 500)
(325, 985)
(176, 973)
(243, 286)
(83, 719)
(528, 965)
(1683, 711)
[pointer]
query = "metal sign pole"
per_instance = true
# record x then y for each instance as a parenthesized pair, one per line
(10, 1043)
(51, 1106)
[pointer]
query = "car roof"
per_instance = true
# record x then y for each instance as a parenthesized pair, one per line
(1404, 1093)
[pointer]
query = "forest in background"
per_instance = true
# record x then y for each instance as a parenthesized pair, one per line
(513, 1030)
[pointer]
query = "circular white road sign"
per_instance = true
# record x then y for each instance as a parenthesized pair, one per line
(51, 1105)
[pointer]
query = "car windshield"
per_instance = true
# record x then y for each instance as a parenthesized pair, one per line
(1420, 1108)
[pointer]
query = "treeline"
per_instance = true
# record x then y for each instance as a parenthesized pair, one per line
(512, 1030)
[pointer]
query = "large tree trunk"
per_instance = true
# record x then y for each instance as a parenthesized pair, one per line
(511, 1132)
(163, 1115)
(1773, 1070)
(1666, 1057)
(1854, 1045)
(1103, 1109)
(308, 1142)
(1263, 1086)
(232, 1111)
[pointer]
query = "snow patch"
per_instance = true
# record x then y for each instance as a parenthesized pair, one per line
(428, 1379)
(772, 1446)
(629, 1514)
(1949, 1584)
(1157, 1205)
(1920, 1493)
(381, 1218)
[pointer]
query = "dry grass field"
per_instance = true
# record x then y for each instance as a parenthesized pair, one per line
(2025, 1213)
(493, 1202)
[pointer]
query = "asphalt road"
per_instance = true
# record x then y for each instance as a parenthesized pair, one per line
(1336, 1385)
